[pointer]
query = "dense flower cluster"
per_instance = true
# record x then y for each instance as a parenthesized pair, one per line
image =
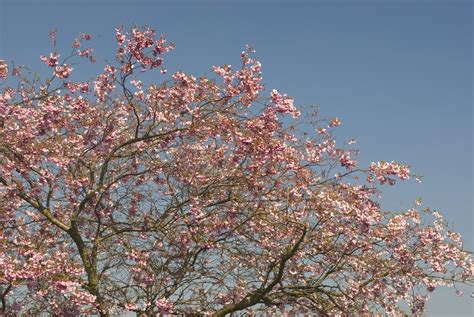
(63, 71)
(191, 197)
(52, 60)
(136, 42)
(284, 104)
(384, 169)
(346, 161)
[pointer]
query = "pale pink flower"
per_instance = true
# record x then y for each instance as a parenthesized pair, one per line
(383, 169)
(284, 104)
(335, 122)
(86, 36)
(51, 61)
(63, 71)
(346, 161)
(76, 43)
(164, 306)
(119, 36)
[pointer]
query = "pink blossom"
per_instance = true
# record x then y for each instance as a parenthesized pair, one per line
(85, 53)
(119, 36)
(284, 104)
(164, 306)
(86, 36)
(104, 83)
(76, 43)
(383, 169)
(51, 61)
(335, 122)
(136, 83)
(74, 87)
(346, 161)
(63, 71)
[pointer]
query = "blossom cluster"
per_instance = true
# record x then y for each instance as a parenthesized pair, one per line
(52, 60)
(63, 71)
(284, 104)
(137, 41)
(383, 169)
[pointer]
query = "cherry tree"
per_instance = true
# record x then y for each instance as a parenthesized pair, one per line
(197, 196)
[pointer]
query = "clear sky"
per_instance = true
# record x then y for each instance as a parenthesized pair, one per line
(397, 73)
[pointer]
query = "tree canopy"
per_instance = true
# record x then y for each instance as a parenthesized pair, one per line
(197, 196)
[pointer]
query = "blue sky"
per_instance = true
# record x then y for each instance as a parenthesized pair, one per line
(397, 73)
